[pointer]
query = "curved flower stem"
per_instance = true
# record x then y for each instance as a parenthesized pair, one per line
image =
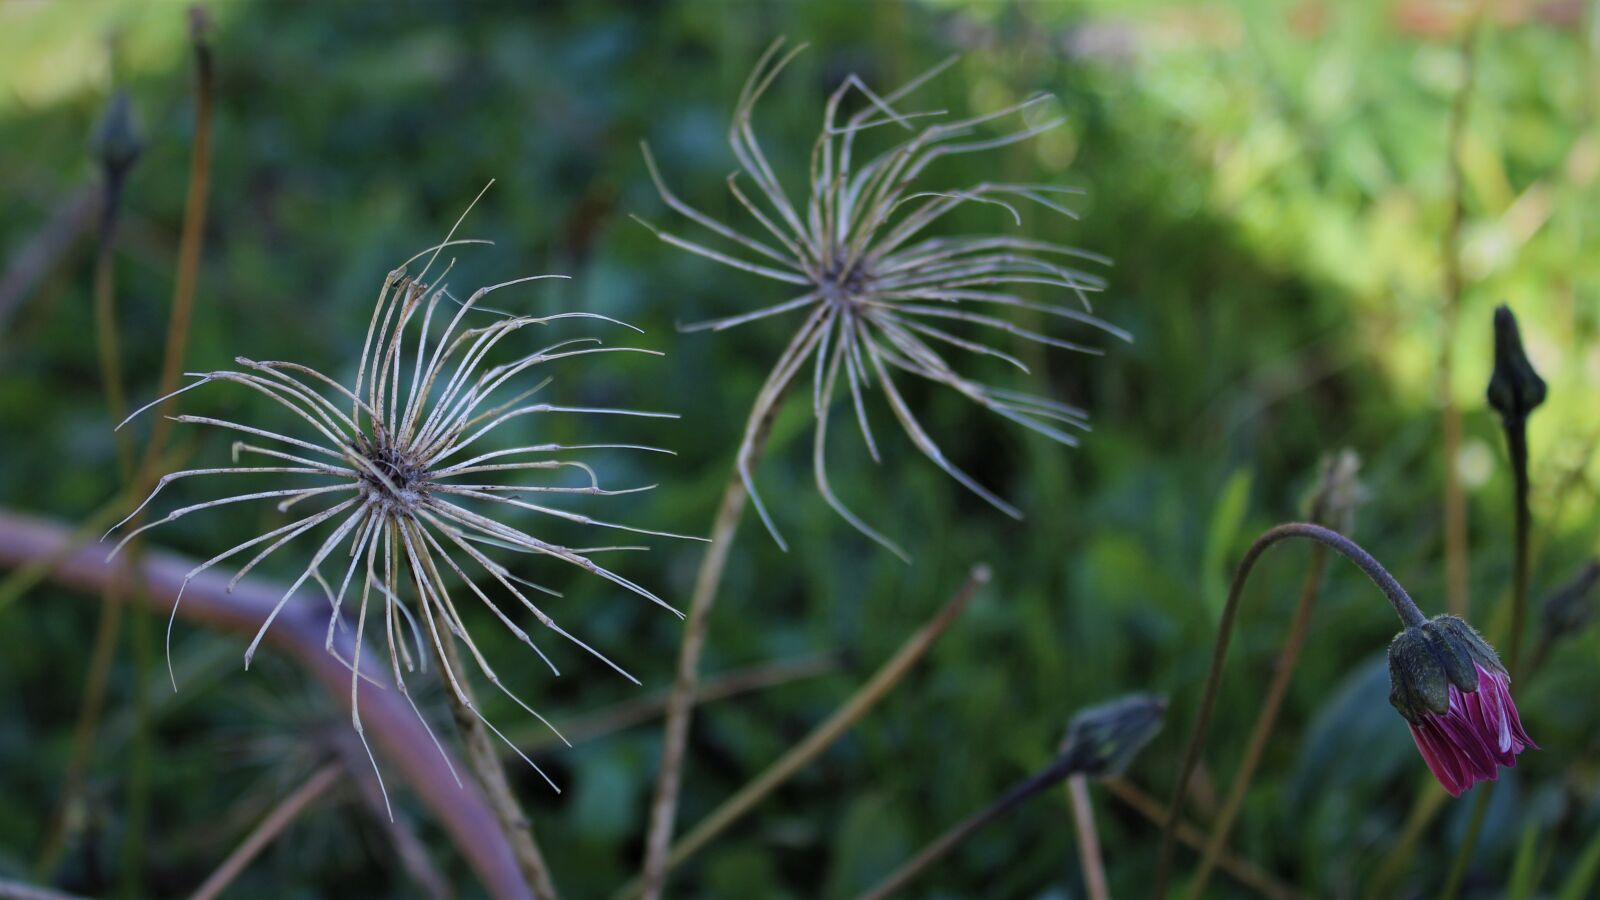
(680, 703)
(1265, 720)
(1403, 605)
(823, 736)
(484, 759)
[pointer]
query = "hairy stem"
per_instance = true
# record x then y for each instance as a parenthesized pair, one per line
(823, 737)
(1266, 719)
(680, 703)
(484, 760)
(264, 834)
(1402, 603)
(1094, 866)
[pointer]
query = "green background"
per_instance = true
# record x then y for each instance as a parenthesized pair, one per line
(1272, 182)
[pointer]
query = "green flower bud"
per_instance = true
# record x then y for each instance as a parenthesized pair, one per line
(1102, 740)
(1417, 681)
(1466, 638)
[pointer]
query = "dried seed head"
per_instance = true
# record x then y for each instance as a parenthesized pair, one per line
(879, 295)
(413, 511)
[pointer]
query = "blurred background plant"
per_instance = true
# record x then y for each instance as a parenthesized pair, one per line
(1272, 180)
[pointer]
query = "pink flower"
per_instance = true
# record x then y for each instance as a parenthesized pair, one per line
(1480, 732)
(1450, 686)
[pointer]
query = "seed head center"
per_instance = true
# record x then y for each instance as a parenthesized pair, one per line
(392, 476)
(844, 287)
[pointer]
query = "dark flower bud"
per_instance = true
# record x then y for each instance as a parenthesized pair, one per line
(116, 143)
(1102, 740)
(1514, 388)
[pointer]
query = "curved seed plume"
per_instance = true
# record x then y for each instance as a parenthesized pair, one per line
(878, 291)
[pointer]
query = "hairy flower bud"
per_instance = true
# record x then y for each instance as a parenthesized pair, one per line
(1448, 683)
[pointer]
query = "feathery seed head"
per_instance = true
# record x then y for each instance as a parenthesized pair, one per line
(880, 297)
(415, 496)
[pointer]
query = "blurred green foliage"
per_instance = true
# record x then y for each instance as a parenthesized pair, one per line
(1272, 183)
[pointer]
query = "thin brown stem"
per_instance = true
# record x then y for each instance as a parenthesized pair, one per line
(1266, 719)
(298, 633)
(273, 825)
(633, 712)
(1455, 503)
(1242, 870)
(1401, 602)
(680, 704)
(820, 739)
(484, 760)
(190, 241)
(1094, 865)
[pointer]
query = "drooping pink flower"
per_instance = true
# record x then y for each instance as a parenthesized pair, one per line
(1480, 732)
(1456, 696)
